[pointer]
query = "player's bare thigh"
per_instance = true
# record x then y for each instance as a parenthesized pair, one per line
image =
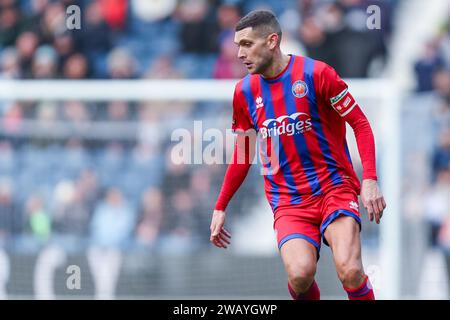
(300, 261)
(343, 236)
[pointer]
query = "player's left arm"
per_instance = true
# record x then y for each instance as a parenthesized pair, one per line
(371, 196)
(335, 91)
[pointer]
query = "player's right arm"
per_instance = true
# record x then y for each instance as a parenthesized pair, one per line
(236, 172)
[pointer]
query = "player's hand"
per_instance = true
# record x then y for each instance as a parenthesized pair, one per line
(372, 199)
(220, 237)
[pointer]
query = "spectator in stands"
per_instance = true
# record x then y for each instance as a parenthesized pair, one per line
(70, 217)
(111, 232)
(122, 64)
(178, 230)
(13, 117)
(443, 233)
(427, 65)
(342, 36)
(8, 162)
(353, 43)
(64, 45)
(438, 204)
(95, 38)
(176, 177)
(201, 191)
(441, 156)
(227, 65)
(199, 29)
(33, 21)
(118, 111)
(47, 114)
(89, 188)
(144, 169)
(228, 15)
(75, 112)
(313, 38)
(441, 83)
(10, 24)
(149, 132)
(38, 219)
(306, 8)
(143, 156)
(26, 45)
(163, 68)
(9, 64)
(10, 216)
(110, 162)
(74, 158)
(76, 67)
(53, 21)
(113, 221)
(44, 65)
(150, 218)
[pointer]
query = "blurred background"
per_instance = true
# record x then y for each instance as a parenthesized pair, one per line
(87, 177)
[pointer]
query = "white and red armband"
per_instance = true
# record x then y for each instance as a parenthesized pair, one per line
(343, 103)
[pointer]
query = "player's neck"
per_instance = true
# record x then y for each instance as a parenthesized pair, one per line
(279, 64)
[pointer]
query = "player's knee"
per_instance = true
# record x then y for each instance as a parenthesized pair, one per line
(350, 273)
(301, 275)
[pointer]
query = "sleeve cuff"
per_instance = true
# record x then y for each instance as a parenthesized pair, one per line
(370, 176)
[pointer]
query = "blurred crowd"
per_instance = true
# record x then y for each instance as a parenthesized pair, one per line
(102, 173)
(77, 173)
(179, 38)
(432, 71)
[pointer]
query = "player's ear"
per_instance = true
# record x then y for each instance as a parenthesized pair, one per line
(272, 40)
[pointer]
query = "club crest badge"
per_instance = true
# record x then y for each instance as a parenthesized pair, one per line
(299, 89)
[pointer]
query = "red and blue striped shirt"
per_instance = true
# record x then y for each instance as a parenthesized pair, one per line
(302, 112)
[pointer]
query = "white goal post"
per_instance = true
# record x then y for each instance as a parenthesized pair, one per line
(384, 116)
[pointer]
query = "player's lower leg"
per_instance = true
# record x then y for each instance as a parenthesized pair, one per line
(344, 240)
(354, 280)
(304, 289)
(300, 260)
(363, 291)
(311, 293)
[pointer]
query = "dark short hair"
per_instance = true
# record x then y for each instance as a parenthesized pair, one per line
(262, 20)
